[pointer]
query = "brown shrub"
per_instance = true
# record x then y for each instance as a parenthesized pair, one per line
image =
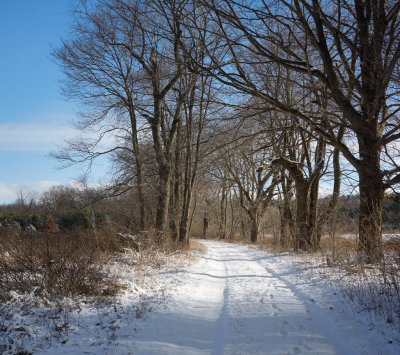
(49, 224)
(55, 264)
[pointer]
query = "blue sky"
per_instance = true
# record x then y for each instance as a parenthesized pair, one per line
(34, 118)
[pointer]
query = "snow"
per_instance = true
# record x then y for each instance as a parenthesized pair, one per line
(232, 299)
(385, 236)
(237, 300)
(129, 236)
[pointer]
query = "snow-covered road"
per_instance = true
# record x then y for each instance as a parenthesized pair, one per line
(239, 300)
(232, 299)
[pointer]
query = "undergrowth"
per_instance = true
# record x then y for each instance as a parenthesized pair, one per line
(374, 288)
(45, 277)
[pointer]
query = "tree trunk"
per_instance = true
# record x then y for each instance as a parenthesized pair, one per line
(254, 227)
(138, 160)
(183, 230)
(314, 229)
(371, 196)
(222, 222)
(303, 235)
(176, 181)
(370, 216)
(163, 156)
(141, 196)
(205, 225)
(286, 235)
(164, 191)
(285, 209)
(173, 210)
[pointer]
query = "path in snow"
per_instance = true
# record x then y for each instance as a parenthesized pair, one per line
(236, 301)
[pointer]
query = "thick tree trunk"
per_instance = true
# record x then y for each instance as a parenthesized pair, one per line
(138, 161)
(286, 230)
(163, 157)
(173, 211)
(371, 197)
(286, 216)
(314, 227)
(370, 216)
(303, 235)
(303, 186)
(254, 227)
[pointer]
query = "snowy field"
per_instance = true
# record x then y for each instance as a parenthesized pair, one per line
(232, 300)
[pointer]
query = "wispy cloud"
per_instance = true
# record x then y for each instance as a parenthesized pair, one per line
(8, 193)
(31, 136)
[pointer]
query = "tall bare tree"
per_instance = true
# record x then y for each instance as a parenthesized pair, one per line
(125, 57)
(106, 79)
(256, 184)
(352, 48)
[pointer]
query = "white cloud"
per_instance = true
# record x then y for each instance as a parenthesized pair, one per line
(8, 193)
(34, 136)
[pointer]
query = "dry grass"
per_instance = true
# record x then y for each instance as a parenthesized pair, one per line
(197, 246)
(375, 288)
(73, 262)
(269, 244)
(56, 265)
(51, 275)
(235, 239)
(339, 250)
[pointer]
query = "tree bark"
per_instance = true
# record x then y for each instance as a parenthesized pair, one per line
(138, 161)
(183, 230)
(303, 187)
(254, 226)
(370, 214)
(287, 227)
(176, 200)
(372, 192)
(205, 225)
(315, 231)
(286, 230)
(303, 235)
(164, 192)
(334, 200)
(222, 222)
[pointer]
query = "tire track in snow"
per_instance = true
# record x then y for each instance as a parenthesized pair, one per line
(280, 322)
(319, 318)
(236, 301)
(222, 322)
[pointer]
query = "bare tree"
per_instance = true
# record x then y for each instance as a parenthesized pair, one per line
(26, 201)
(350, 48)
(197, 112)
(106, 79)
(159, 57)
(256, 185)
(125, 59)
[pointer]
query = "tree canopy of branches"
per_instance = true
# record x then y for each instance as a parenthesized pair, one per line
(124, 64)
(348, 49)
(325, 72)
